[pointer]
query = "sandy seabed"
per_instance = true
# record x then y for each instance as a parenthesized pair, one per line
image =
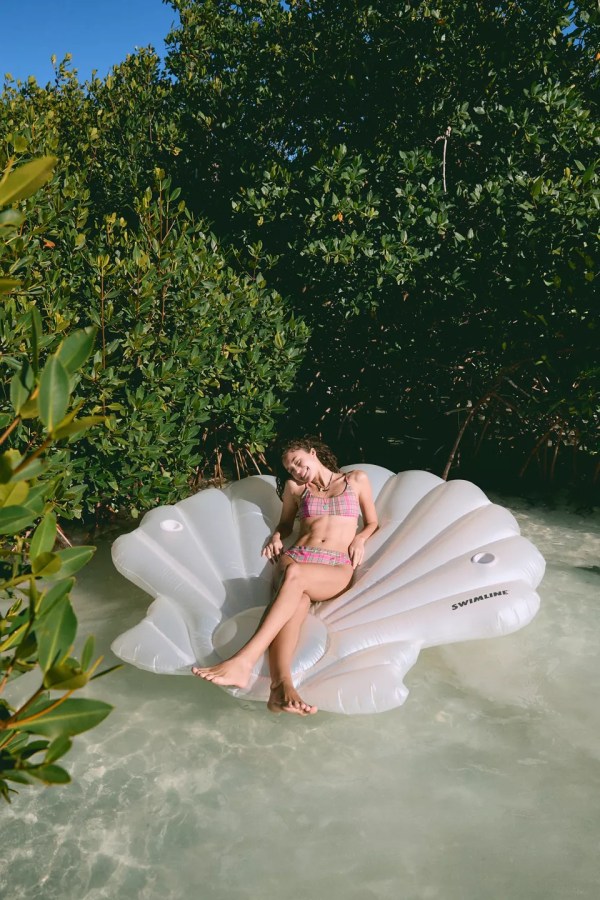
(483, 786)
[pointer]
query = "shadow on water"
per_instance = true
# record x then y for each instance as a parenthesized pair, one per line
(594, 569)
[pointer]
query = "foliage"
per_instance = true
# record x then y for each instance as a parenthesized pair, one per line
(190, 355)
(37, 622)
(416, 182)
(420, 180)
(193, 356)
(110, 133)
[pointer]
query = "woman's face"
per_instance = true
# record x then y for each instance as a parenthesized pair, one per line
(301, 464)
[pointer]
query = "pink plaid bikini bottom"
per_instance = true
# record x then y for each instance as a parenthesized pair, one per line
(318, 556)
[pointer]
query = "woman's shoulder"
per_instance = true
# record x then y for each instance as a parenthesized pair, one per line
(357, 477)
(293, 489)
(359, 482)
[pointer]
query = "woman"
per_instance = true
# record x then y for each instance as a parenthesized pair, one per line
(318, 567)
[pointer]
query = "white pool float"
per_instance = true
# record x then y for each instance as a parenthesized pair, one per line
(446, 565)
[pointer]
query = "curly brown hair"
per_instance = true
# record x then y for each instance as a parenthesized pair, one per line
(324, 453)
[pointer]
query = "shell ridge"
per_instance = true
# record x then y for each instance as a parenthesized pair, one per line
(121, 552)
(340, 611)
(232, 600)
(234, 534)
(387, 653)
(236, 522)
(366, 681)
(148, 542)
(401, 493)
(409, 524)
(444, 620)
(255, 505)
(188, 576)
(460, 570)
(137, 655)
(207, 558)
(165, 637)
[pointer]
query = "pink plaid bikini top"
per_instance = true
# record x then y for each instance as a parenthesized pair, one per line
(344, 504)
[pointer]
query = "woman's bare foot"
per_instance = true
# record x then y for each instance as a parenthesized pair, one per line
(285, 698)
(234, 672)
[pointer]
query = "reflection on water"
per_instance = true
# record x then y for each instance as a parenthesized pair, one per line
(483, 786)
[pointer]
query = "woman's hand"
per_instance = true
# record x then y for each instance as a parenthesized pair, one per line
(273, 548)
(356, 551)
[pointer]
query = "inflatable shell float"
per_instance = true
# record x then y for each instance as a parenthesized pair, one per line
(445, 565)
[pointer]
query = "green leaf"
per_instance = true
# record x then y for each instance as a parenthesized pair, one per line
(54, 393)
(27, 648)
(29, 749)
(537, 187)
(58, 748)
(17, 775)
(44, 536)
(71, 717)
(74, 558)
(14, 494)
(69, 416)
(12, 361)
(51, 597)
(20, 143)
(55, 633)
(14, 518)
(14, 638)
(9, 284)
(35, 499)
(77, 426)
(7, 463)
(67, 676)
(26, 180)
(30, 409)
(50, 774)
(76, 348)
(45, 564)
(19, 394)
(87, 652)
(11, 218)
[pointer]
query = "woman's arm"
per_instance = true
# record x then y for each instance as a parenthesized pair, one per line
(362, 486)
(274, 546)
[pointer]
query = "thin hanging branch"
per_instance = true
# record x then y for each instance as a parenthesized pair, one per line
(444, 137)
(63, 537)
(256, 466)
(10, 428)
(477, 406)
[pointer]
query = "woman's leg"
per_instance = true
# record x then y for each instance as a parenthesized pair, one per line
(320, 582)
(284, 697)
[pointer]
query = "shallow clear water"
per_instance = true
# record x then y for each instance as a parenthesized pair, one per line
(484, 784)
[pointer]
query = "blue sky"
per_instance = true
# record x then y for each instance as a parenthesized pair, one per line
(98, 33)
